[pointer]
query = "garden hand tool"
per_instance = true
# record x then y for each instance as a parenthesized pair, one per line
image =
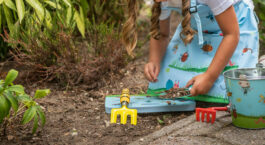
(124, 110)
(201, 112)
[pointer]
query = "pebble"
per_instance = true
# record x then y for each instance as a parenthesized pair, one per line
(107, 123)
(74, 132)
(10, 137)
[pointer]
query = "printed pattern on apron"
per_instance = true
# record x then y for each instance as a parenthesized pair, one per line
(181, 63)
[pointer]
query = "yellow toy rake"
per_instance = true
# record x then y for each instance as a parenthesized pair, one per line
(124, 111)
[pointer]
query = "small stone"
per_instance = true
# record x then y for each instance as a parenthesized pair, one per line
(91, 99)
(98, 117)
(141, 139)
(107, 123)
(74, 132)
(158, 127)
(96, 109)
(35, 138)
(10, 137)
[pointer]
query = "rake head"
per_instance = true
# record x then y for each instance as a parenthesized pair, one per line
(124, 111)
(210, 113)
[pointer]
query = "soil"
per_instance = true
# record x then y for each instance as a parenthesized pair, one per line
(78, 116)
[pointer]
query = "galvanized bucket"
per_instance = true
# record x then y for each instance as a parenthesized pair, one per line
(246, 93)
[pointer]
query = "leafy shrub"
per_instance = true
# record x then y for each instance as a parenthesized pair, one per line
(19, 16)
(108, 11)
(57, 55)
(13, 96)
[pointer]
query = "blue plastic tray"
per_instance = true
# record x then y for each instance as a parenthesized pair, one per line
(151, 104)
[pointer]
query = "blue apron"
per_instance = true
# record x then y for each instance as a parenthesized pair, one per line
(181, 63)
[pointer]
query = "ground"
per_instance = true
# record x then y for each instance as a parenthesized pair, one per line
(78, 116)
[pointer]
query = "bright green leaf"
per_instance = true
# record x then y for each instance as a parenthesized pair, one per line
(53, 4)
(1, 1)
(4, 108)
(24, 98)
(11, 76)
(29, 114)
(20, 9)
(41, 115)
(48, 19)
(16, 88)
(10, 4)
(12, 100)
(37, 7)
(80, 23)
(82, 16)
(35, 124)
(67, 2)
(69, 16)
(41, 93)
(9, 18)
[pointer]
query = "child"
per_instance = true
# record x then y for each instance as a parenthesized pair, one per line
(214, 36)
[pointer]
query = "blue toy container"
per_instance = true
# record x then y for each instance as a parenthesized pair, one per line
(246, 93)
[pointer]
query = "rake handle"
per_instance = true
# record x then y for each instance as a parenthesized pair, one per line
(219, 108)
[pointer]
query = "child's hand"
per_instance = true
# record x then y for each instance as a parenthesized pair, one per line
(201, 84)
(151, 71)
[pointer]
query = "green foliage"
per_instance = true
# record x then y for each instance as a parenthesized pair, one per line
(16, 14)
(13, 96)
(107, 11)
(260, 10)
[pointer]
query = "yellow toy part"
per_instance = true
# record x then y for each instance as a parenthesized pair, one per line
(124, 112)
(125, 96)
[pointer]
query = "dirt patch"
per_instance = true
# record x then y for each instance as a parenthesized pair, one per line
(78, 117)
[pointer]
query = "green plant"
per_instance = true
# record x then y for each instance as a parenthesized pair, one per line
(260, 10)
(20, 16)
(14, 101)
(17, 14)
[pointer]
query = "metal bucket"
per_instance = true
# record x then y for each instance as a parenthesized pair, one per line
(246, 93)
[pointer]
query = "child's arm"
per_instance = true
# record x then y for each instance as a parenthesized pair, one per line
(229, 25)
(157, 51)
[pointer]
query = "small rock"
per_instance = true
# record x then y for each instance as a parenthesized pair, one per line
(98, 117)
(35, 138)
(158, 127)
(74, 132)
(96, 109)
(141, 139)
(107, 123)
(90, 111)
(91, 99)
(10, 137)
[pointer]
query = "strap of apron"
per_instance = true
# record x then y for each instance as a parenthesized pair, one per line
(194, 12)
